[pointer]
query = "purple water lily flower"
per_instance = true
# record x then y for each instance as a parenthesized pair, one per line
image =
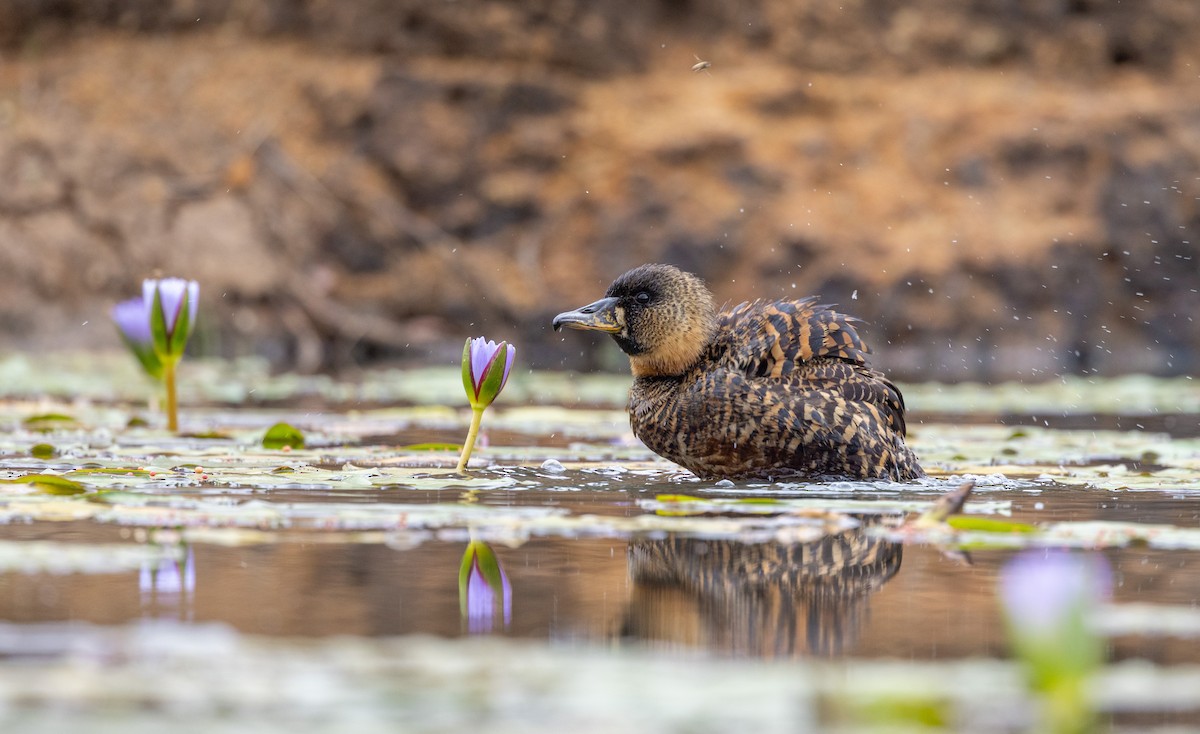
(134, 327)
(482, 375)
(131, 317)
(1047, 598)
(157, 326)
(1044, 590)
(485, 369)
(172, 294)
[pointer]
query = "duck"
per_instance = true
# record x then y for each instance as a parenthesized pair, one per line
(774, 390)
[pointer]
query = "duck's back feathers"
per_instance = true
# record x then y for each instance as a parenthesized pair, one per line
(811, 346)
(856, 384)
(774, 338)
(725, 424)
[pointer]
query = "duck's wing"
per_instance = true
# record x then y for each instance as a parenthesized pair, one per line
(853, 384)
(808, 346)
(771, 339)
(821, 427)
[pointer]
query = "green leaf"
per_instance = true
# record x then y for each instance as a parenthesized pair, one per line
(466, 372)
(890, 711)
(283, 435)
(49, 484)
(42, 419)
(42, 451)
(183, 325)
(209, 435)
(110, 471)
(681, 499)
(677, 498)
(432, 446)
(146, 356)
(989, 525)
(119, 497)
(158, 328)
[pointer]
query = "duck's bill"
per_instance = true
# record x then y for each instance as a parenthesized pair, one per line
(603, 315)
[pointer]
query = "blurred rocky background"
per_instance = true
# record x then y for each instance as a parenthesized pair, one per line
(999, 188)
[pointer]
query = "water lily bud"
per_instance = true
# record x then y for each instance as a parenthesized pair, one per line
(134, 326)
(485, 369)
(171, 305)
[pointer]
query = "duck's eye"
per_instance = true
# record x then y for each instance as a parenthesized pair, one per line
(643, 298)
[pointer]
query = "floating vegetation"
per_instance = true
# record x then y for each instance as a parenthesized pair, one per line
(1064, 395)
(360, 512)
(139, 676)
(114, 376)
(281, 436)
(49, 484)
(37, 557)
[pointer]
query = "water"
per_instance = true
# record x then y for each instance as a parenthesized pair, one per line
(326, 581)
(849, 595)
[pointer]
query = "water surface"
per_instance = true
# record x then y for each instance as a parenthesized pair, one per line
(208, 553)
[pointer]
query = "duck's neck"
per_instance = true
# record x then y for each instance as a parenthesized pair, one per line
(678, 353)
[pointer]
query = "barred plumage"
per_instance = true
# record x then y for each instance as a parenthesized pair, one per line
(762, 390)
(771, 599)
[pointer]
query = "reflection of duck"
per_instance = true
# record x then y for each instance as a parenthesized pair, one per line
(760, 390)
(761, 599)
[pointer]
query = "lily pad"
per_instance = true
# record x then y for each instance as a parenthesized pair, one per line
(46, 418)
(283, 435)
(50, 484)
(989, 525)
(47, 422)
(432, 446)
(91, 558)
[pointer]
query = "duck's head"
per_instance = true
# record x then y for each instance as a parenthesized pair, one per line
(662, 317)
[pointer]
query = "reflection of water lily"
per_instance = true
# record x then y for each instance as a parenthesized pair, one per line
(485, 369)
(168, 584)
(1046, 598)
(134, 326)
(483, 589)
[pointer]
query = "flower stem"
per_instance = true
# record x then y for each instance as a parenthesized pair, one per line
(1066, 707)
(469, 444)
(172, 406)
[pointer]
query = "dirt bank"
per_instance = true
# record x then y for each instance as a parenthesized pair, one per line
(999, 190)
